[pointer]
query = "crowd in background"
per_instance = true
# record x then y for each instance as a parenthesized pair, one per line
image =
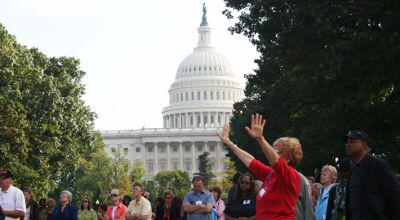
(364, 188)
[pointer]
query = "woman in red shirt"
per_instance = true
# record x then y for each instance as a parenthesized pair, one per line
(281, 182)
(117, 210)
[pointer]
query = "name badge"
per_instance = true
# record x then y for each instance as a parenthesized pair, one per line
(246, 202)
(261, 193)
(133, 212)
(198, 202)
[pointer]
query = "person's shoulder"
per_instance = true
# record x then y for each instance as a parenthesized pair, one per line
(145, 200)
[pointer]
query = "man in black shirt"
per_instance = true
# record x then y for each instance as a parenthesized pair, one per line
(373, 190)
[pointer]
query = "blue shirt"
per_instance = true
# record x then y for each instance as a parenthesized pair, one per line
(70, 213)
(204, 198)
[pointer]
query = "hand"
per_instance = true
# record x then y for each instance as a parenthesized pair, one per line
(225, 136)
(257, 127)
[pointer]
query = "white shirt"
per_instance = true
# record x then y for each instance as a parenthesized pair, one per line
(12, 199)
(27, 213)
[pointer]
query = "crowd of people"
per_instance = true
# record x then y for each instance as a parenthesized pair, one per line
(362, 187)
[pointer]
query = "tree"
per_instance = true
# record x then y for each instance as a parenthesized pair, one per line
(45, 126)
(177, 181)
(101, 174)
(205, 168)
(225, 178)
(326, 67)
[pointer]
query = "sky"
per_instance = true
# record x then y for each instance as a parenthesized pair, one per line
(130, 50)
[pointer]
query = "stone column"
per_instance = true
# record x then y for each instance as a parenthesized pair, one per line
(205, 145)
(179, 116)
(218, 148)
(155, 158)
(209, 119)
(181, 156)
(168, 155)
(187, 125)
(193, 158)
(201, 119)
(143, 149)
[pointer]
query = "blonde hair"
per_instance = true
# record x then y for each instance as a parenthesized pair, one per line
(332, 170)
(118, 192)
(291, 149)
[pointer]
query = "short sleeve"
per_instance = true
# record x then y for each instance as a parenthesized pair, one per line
(20, 201)
(210, 199)
(146, 208)
(259, 169)
(186, 199)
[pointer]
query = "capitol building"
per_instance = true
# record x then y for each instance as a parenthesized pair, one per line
(200, 102)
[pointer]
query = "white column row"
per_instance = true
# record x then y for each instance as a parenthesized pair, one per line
(191, 119)
(154, 156)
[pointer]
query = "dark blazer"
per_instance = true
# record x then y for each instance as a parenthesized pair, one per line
(70, 213)
(380, 190)
(34, 210)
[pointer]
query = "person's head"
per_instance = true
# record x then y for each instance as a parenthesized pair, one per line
(65, 196)
(245, 188)
(216, 191)
(290, 149)
(138, 190)
(177, 201)
(116, 196)
(198, 184)
(315, 188)
(245, 183)
(159, 201)
(42, 202)
(86, 203)
(146, 195)
(328, 175)
(344, 169)
(357, 144)
(50, 203)
(103, 208)
(126, 200)
(168, 195)
(311, 180)
(5, 179)
(28, 193)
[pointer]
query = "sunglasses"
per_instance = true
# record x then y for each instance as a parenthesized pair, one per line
(114, 195)
(245, 183)
(63, 195)
(85, 201)
(3, 177)
(277, 150)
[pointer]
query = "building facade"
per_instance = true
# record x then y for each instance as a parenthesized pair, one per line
(201, 102)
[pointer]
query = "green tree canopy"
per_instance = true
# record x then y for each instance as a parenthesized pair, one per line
(326, 67)
(175, 180)
(45, 126)
(205, 168)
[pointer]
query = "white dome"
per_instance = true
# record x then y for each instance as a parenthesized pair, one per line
(204, 89)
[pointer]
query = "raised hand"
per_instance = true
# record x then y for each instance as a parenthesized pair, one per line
(225, 136)
(257, 127)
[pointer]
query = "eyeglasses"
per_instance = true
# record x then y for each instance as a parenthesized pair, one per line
(114, 195)
(63, 195)
(85, 201)
(167, 197)
(277, 150)
(245, 183)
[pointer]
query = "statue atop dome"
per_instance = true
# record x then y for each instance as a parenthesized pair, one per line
(204, 18)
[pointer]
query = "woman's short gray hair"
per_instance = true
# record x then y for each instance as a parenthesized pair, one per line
(69, 194)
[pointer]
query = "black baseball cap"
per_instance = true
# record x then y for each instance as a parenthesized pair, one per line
(357, 134)
(6, 173)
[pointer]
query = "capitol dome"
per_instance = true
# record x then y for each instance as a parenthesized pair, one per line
(204, 89)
